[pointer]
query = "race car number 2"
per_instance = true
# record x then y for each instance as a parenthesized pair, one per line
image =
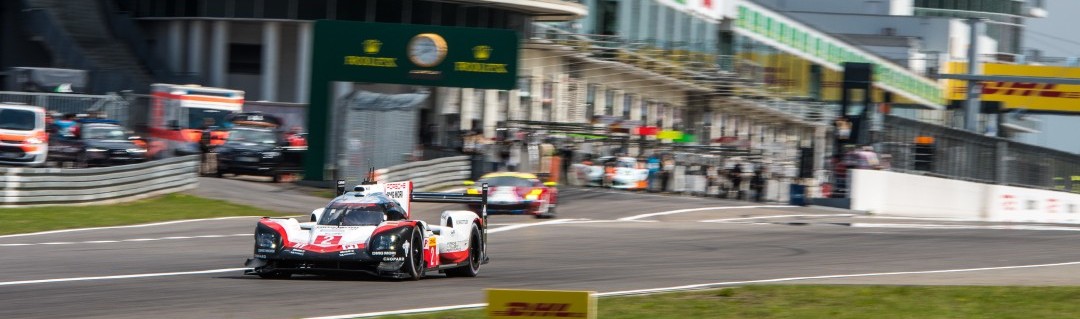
(327, 240)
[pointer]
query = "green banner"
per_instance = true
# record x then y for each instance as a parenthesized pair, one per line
(417, 54)
(409, 54)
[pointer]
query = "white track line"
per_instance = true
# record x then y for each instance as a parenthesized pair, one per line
(160, 274)
(679, 211)
(705, 286)
(127, 226)
(940, 219)
(774, 216)
(519, 226)
(123, 240)
(639, 194)
(946, 226)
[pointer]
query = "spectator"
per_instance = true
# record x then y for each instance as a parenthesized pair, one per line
(65, 126)
(736, 180)
(205, 145)
(514, 160)
(653, 165)
(667, 171)
(566, 155)
(757, 184)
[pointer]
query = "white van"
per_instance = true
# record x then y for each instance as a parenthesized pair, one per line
(23, 139)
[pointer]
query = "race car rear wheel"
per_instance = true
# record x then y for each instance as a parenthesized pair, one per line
(414, 265)
(476, 255)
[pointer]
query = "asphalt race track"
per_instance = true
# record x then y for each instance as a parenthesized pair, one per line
(602, 242)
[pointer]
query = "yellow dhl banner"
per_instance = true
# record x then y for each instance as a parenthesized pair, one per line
(1043, 97)
(512, 303)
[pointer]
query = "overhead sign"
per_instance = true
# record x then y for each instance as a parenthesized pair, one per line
(1034, 97)
(418, 54)
(410, 54)
(511, 303)
(706, 8)
(779, 31)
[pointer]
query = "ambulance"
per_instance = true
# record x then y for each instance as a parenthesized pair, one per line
(179, 114)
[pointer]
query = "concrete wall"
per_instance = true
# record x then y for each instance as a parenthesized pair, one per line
(909, 195)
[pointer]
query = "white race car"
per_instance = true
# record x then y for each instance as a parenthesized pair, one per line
(369, 230)
(625, 175)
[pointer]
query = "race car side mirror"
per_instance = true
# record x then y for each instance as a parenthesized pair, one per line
(551, 184)
(469, 183)
(316, 214)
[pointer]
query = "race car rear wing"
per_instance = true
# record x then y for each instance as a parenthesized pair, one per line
(461, 198)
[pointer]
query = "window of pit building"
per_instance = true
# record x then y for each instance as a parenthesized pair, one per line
(525, 94)
(547, 101)
(590, 101)
(609, 101)
(245, 58)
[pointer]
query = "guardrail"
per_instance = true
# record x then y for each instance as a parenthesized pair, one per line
(429, 175)
(56, 186)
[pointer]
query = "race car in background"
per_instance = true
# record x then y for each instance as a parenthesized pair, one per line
(613, 172)
(516, 194)
(369, 230)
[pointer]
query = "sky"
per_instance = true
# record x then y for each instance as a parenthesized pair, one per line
(1058, 131)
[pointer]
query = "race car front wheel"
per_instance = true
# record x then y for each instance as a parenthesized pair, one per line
(476, 253)
(414, 265)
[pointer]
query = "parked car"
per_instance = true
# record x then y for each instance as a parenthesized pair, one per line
(256, 146)
(23, 139)
(97, 143)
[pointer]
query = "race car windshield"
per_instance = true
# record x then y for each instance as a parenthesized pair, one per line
(197, 117)
(18, 120)
(507, 181)
(251, 137)
(353, 215)
(104, 133)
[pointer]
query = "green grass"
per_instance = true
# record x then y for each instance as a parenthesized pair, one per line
(164, 208)
(836, 302)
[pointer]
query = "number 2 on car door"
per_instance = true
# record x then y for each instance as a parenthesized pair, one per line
(327, 240)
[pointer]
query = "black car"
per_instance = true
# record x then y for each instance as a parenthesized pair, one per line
(257, 151)
(96, 144)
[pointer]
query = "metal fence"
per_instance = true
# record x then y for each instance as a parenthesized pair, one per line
(964, 155)
(374, 130)
(112, 105)
(53, 186)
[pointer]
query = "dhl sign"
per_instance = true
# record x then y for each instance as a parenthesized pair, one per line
(513, 303)
(1036, 97)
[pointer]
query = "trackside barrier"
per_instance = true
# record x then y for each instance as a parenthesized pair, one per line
(909, 195)
(429, 175)
(57, 186)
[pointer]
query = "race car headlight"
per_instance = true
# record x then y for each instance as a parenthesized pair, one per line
(136, 150)
(266, 240)
(95, 149)
(534, 194)
(271, 154)
(34, 140)
(385, 242)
